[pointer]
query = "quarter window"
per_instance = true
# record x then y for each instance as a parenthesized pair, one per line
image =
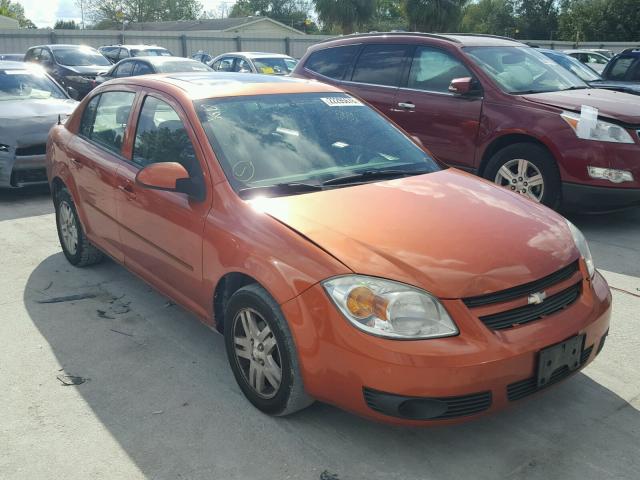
(124, 70)
(380, 65)
(620, 67)
(107, 125)
(432, 70)
(161, 137)
(332, 62)
(142, 69)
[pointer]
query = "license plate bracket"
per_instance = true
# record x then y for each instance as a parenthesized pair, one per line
(565, 354)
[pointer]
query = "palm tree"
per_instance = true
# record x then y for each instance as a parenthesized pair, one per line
(433, 15)
(345, 14)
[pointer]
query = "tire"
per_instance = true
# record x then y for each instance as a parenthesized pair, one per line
(539, 162)
(252, 308)
(75, 245)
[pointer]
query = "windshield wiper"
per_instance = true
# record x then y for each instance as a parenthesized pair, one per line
(573, 88)
(368, 175)
(282, 188)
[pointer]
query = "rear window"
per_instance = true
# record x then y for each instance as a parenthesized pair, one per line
(620, 68)
(332, 62)
(380, 65)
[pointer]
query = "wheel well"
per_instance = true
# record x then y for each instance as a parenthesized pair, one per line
(56, 185)
(504, 141)
(227, 286)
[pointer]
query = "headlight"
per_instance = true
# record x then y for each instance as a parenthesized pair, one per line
(603, 131)
(389, 309)
(77, 78)
(583, 247)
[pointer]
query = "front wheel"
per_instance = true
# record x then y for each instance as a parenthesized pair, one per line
(526, 169)
(262, 354)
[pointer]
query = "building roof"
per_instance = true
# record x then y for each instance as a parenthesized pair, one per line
(215, 24)
(6, 21)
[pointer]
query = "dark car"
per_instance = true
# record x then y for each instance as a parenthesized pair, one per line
(201, 56)
(115, 53)
(498, 108)
(12, 57)
(30, 104)
(624, 67)
(589, 75)
(75, 67)
(147, 65)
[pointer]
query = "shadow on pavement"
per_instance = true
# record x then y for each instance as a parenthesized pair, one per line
(25, 202)
(159, 382)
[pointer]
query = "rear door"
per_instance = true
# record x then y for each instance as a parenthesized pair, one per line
(162, 231)
(96, 156)
(377, 73)
(447, 124)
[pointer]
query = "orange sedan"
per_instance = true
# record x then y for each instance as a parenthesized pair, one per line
(339, 260)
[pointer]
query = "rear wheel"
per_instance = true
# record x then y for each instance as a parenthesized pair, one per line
(262, 354)
(527, 169)
(75, 245)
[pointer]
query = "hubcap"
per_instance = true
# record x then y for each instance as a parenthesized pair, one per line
(68, 227)
(257, 352)
(523, 177)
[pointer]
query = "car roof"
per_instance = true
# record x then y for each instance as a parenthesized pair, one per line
(56, 46)
(461, 39)
(581, 50)
(256, 55)
(11, 65)
(199, 85)
(156, 60)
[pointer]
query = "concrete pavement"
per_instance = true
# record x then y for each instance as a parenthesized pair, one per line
(158, 400)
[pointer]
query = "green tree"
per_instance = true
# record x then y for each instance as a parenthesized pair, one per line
(537, 19)
(66, 25)
(599, 20)
(495, 17)
(111, 13)
(434, 15)
(388, 15)
(15, 10)
(345, 15)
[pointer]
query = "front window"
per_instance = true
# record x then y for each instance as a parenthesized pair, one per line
(272, 66)
(622, 65)
(150, 52)
(181, 66)
(273, 144)
(79, 57)
(521, 70)
(27, 85)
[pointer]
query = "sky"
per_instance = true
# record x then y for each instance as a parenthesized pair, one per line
(44, 13)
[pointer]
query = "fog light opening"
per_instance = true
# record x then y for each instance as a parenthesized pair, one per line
(610, 174)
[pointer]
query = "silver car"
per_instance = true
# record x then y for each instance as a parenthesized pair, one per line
(254, 62)
(30, 104)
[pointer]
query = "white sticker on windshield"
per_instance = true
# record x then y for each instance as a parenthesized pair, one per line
(17, 72)
(342, 102)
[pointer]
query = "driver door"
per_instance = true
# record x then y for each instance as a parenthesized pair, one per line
(161, 232)
(447, 124)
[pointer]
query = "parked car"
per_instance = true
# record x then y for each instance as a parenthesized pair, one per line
(497, 108)
(148, 65)
(338, 259)
(603, 51)
(203, 57)
(75, 67)
(589, 75)
(12, 57)
(115, 53)
(594, 60)
(254, 62)
(30, 104)
(624, 67)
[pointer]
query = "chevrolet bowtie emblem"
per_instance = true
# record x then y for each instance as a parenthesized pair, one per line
(537, 298)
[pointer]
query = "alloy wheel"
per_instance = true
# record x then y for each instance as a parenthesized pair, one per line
(523, 177)
(68, 227)
(257, 353)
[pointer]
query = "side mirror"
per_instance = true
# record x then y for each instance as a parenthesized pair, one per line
(171, 177)
(73, 93)
(461, 86)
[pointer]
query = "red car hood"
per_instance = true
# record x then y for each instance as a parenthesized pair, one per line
(446, 232)
(620, 106)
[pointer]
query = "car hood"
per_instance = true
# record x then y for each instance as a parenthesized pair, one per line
(629, 87)
(27, 122)
(446, 232)
(610, 104)
(88, 69)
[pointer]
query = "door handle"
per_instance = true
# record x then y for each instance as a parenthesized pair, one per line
(127, 189)
(406, 105)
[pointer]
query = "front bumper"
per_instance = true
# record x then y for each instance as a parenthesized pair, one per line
(598, 198)
(23, 170)
(480, 367)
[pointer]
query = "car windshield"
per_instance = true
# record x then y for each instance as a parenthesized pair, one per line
(79, 57)
(306, 140)
(150, 52)
(521, 70)
(27, 85)
(574, 66)
(182, 66)
(273, 66)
